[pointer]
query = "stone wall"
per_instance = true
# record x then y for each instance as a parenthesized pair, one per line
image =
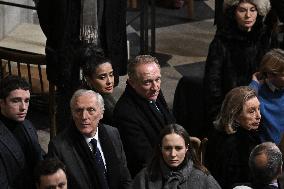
(11, 17)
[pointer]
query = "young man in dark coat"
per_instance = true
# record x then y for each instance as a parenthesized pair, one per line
(72, 25)
(19, 147)
(92, 152)
(141, 112)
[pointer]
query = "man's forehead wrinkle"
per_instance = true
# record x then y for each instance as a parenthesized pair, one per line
(84, 106)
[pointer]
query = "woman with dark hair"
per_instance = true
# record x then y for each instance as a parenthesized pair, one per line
(99, 77)
(236, 135)
(236, 50)
(174, 164)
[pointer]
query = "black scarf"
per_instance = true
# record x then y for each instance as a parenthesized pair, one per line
(112, 163)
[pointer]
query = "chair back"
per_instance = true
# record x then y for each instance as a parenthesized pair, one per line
(32, 67)
(202, 149)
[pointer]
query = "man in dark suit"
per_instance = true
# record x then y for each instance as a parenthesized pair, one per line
(19, 147)
(92, 152)
(265, 163)
(72, 25)
(141, 112)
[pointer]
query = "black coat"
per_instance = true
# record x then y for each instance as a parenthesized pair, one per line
(228, 155)
(109, 102)
(71, 148)
(14, 171)
(60, 22)
(139, 125)
(278, 7)
(233, 57)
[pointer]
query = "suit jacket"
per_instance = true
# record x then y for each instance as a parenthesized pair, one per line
(139, 125)
(71, 148)
(13, 167)
(60, 22)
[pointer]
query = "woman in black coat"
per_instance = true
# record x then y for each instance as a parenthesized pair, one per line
(99, 76)
(236, 50)
(235, 136)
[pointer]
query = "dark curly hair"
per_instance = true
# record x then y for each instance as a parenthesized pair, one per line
(11, 83)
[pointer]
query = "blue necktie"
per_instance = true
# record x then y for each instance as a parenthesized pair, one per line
(99, 163)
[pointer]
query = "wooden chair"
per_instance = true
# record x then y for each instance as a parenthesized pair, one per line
(199, 147)
(202, 149)
(31, 66)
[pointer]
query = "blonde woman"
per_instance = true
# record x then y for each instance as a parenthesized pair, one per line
(236, 135)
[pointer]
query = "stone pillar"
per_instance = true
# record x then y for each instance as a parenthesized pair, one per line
(11, 17)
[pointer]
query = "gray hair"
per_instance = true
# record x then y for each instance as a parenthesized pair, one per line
(265, 172)
(242, 187)
(140, 59)
(82, 92)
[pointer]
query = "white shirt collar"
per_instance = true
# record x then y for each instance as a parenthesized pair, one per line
(271, 86)
(274, 184)
(88, 139)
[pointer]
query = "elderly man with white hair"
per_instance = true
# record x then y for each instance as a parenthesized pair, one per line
(92, 152)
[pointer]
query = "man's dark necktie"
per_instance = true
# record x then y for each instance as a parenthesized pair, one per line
(155, 107)
(100, 164)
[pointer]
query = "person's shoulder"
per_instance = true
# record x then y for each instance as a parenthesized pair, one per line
(3, 129)
(124, 101)
(27, 123)
(29, 127)
(62, 137)
(204, 178)
(127, 96)
(141, 177)
(125, 105)
(219, 43)
(108, 128)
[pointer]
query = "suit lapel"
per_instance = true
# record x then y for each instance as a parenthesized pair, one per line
(8, 140)
(112, 161)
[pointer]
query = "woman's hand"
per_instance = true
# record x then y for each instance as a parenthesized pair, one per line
(257, 77)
